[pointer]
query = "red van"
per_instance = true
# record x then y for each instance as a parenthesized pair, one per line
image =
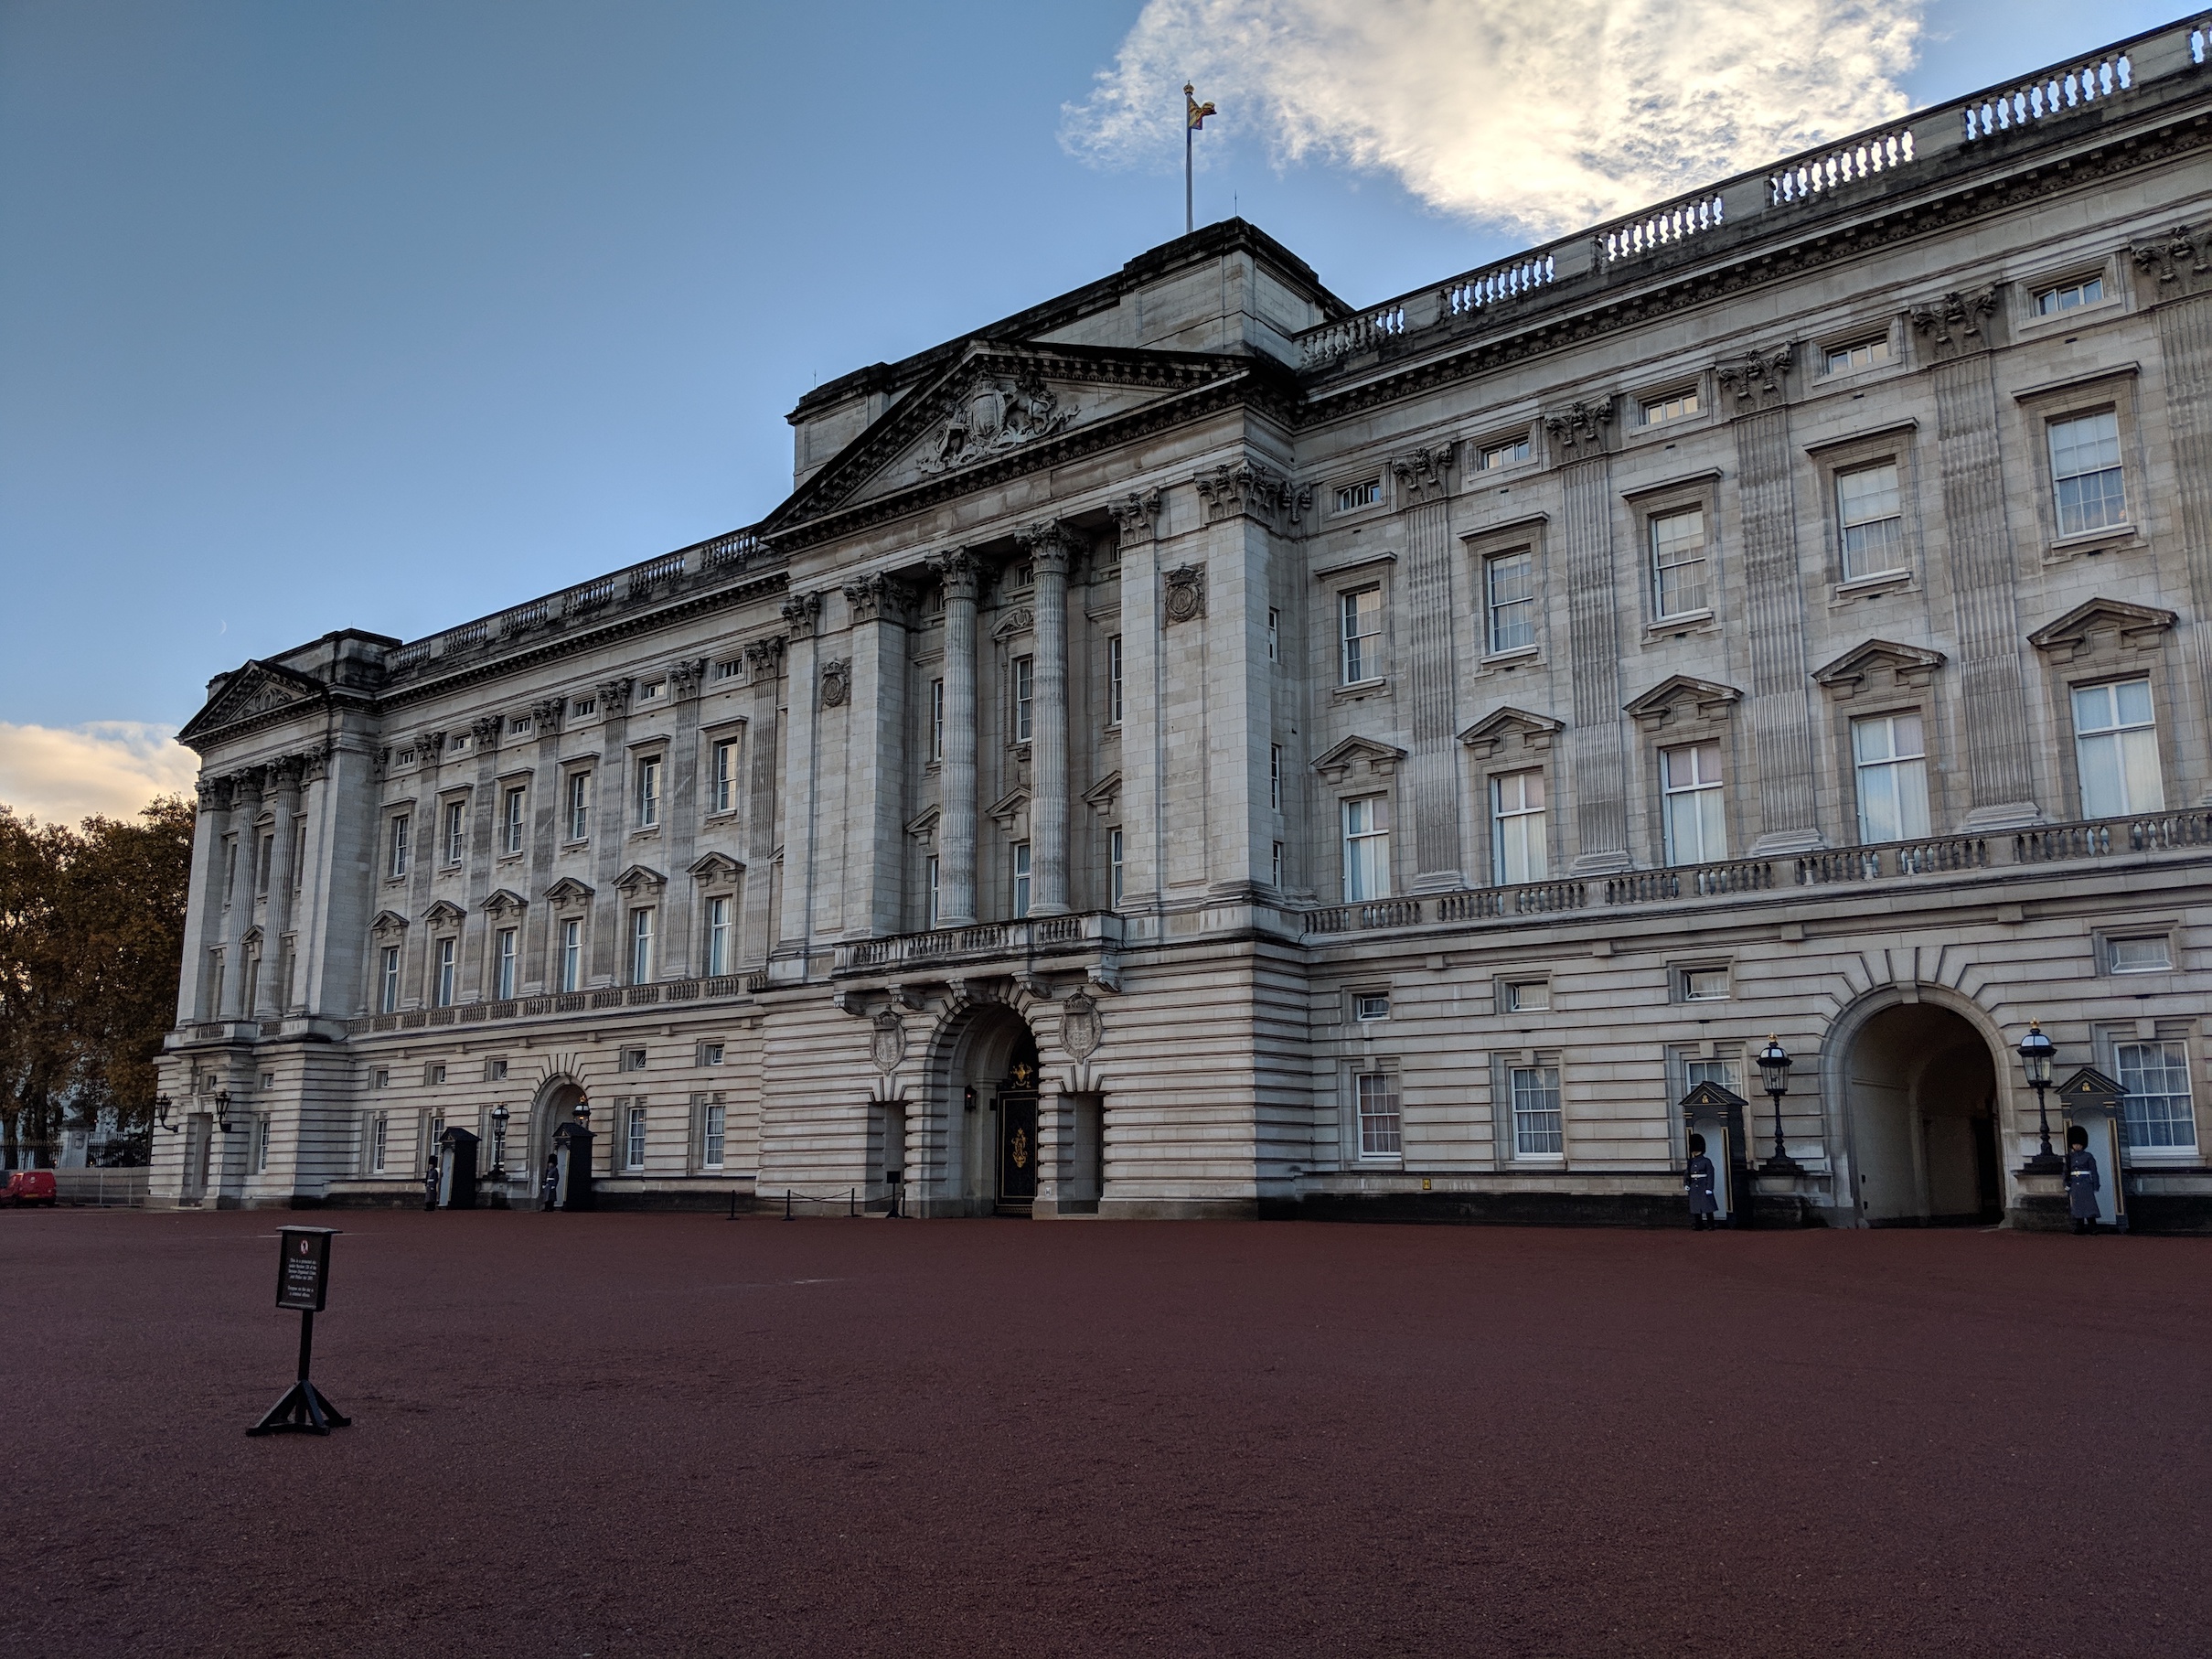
(30, 1186)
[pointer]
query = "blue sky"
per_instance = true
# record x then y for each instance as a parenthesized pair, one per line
(388, 314)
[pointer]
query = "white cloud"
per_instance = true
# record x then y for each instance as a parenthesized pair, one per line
(1546, 117)
(62, 774)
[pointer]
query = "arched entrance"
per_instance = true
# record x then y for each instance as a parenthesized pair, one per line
(991, 1151)
(1922, 1087)
(556, 1104)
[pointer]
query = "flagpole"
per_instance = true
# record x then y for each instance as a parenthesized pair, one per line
(1190, 223)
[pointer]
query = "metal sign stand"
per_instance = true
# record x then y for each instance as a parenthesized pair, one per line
(302, 1284)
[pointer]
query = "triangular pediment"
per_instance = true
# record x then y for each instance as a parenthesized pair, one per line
(715, 867)
(1683, 692)
(2135, 624)
(505, 901)
(637, 878)
(2089, 1086)
(1101, 796)
(389, 921)
(1379, 759)
(443, 912)
(259, 688)
(1007, 806)
(1713, 1097)
(567, 890)
(1502, 729)
(998, 402)
(1881, 664)
(923, 826)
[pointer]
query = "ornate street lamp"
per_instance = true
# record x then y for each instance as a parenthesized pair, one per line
(584, 1113)
(222, 1111)
(2037, 1053)
(162, 1103)
(499, 1118)
(1774, 1064)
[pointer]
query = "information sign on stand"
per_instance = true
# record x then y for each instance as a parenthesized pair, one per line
(303, 1286)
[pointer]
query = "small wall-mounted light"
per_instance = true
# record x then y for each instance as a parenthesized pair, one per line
(222, 1111)
(162, 1103)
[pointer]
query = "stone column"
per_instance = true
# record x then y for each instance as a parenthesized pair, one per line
(610, 838)
(957, 809)
(876, 860)
(802, 778)
(548, 804)
(2177, 269)
(1597, 769)
(2000, 770)
(245, 807)
(1143, 761)
(271, 994)
(764, 834)
(1047, 549)
(1431, 670)
(203, 906)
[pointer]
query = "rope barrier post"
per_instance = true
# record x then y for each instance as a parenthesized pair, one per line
(786, 1204)
(852, 1203)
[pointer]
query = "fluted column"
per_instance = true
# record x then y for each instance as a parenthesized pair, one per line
(1047, 555)
(271, 994)
(204, 907)
(957, 811)
(245, 807)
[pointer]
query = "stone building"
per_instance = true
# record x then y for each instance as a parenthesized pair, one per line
(1197, 748)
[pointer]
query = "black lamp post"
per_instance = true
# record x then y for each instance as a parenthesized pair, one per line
(222, 1111)
(2037, 1053)
(1774, 1064)
(162, 1103)
(498, 1169)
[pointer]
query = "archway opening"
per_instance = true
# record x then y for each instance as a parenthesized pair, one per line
(1923, 1089)
(556, 1104)
(992, 1105)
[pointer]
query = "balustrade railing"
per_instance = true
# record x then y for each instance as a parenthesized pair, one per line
(2055, 92)
(1334, 340)
(1811, 176)
(1661, 227)
(983, 939)
(1523, 273)
(718, 986)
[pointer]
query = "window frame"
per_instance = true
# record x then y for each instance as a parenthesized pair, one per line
(1708, 558)
(2116, 1042)
(643, 931)
(399, 858)
(514, 820)
(1360, 841)
(1860, 769)
(576, 806)
(722, 775)
(1545, 1086)
(1115, 663)
(1023, 879)
(634, 1123)
(1493, 794)
(1116, 848)
(445, 971)
(1670, 791)
(506, 950)
(568, 952)
(1532, 600)
(1349, 647)
(453, 831)
(389, 970)
(715, 929)
(2125, 525)
(647, 791)
(1388, 1122)
(2073, 691)
(1021, 692)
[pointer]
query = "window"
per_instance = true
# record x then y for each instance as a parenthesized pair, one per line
(1274, 867)
(1114, 680)
(1022, 577)
(634, 1139)
(729, 667)
(264, 858)
(572, 955)
(503, 964)
(215, 981)
(1380, 1127)
(630, 1060)
(1496, 458)
(653, 691)
(260, 1144)
(1366, 849)
(441, 985)
(1705, 985)
(1870, 521)
(717, 959)
(2086, 473)
(1677, 563)
(456, 831)
(648, 792)
(2116, 747)
(713, 1131)
(434, 1076)
(1274, 634)
(380, 1140)
(1673, 406)
(388, 981)
(583, 706)
(1517, 835)
(641, 947)
(1021, 879)
(2156, 1109)
(495, 1071)
(710, 1054)
(2147, 954)
(1526, 996)
(510, 821)
(1351, 496)
(1859, 354)
(1275, 776)
(1371, 1005)
(231, 866)
(396, 867)
(522, 725)
(381, 1077)
(1509, 598)
(722, 776)
(2067, 296)
(299, 854)
(1361, 612)
(1025, 693)
(929, 882)
(1891, 762)
(580, 805)
(1114, 866)
(1697, 824)
(1537, 1126)
(937, 720)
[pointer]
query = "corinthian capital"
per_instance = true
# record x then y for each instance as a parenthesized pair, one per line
(1425, 475)
(958, 571)
(1044, 545)
(1136, 516)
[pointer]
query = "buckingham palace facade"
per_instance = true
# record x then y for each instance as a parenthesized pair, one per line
(1199, 748)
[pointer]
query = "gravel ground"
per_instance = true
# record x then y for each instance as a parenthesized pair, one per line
(670, 1435)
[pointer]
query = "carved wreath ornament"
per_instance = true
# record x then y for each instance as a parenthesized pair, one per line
(837, 683)
(1186, 594)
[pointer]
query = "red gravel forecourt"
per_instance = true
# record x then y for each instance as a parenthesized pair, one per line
(611, 1434)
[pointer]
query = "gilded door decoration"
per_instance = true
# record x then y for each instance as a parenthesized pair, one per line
(1020, 1148)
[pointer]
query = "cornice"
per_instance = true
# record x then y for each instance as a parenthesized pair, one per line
(1761, 261)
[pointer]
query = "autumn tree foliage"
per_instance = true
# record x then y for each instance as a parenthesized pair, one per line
(92, 929)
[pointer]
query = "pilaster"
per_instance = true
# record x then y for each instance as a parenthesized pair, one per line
(1423, 480)
(957, 776)
(1046, 547)
(1582, 437)
(875, 889)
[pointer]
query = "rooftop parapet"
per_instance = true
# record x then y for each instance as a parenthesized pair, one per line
(2105, 78)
